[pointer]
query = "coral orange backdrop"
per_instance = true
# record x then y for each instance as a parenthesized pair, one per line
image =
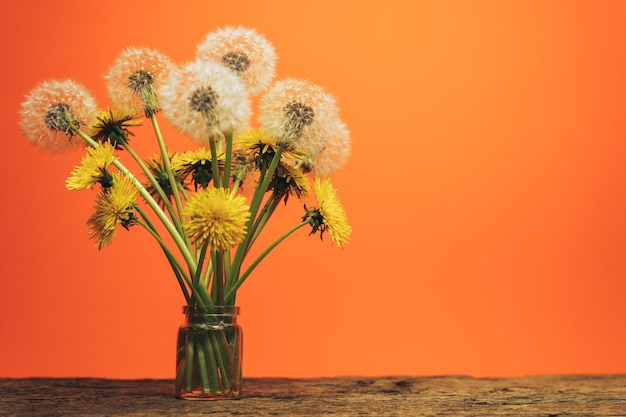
(486, 189)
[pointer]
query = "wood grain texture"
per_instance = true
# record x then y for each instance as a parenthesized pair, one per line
(548, 396)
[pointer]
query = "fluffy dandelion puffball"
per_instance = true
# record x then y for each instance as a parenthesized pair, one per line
(217, 218)
(335, 153)
(52, 110)
(298, 113)
(333, 214)
(245, 52)
(204, 99)
(134, 79)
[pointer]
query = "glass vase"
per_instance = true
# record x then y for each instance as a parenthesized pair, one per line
(208, 354)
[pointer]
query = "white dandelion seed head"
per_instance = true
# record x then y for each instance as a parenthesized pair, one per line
(244, 51)
(335, 153)
(299, 113)
(134, 79)
(52, 109)
(204, 99)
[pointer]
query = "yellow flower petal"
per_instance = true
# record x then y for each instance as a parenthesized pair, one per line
(93, 167)
(114, 205)
(217, 218)
(332, 211)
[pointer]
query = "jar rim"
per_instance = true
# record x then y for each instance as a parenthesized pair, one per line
(195, 309)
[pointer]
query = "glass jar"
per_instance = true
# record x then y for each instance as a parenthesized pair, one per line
(208, 354)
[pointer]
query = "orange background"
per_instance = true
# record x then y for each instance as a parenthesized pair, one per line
(485, 187)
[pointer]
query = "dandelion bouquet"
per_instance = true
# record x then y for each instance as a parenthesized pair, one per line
(192, 202)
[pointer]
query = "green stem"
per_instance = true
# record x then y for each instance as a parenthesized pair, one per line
(166, 164)
(202, 294)
(227, 267)
(198, 292)
(221, 355)
(201, 257)
(230, 295)
(236, 361)
(214, 163)
(178, 238)
(176, 266)
(181, 368)
(211, 365)
(204, 366)
(217, 290)
(227, 162)
(206, 276)
(189, 363)
(198, 283)
(262, 219)
(235, 187)
(257, 198)
(262, 188)
(155, 183)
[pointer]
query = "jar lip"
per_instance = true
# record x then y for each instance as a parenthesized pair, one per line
(231, 310)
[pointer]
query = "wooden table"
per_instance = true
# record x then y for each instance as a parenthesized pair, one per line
(595, 395)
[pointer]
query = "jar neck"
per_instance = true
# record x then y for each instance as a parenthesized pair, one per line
(203, 314)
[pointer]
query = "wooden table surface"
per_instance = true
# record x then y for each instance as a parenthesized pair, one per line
(591, 395)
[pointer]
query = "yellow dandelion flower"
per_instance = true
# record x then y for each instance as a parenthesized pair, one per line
(242, 166)
(330, 216)
(93, 168)
(51, 112)
(114, 206)
(260, 147)
(288, 180)
(217, 218)
(200, 155)
(112, 125)
(156, 166)
(299, 113)
(197, 165)
(134, 80)
(204, 99)
(244, 51)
